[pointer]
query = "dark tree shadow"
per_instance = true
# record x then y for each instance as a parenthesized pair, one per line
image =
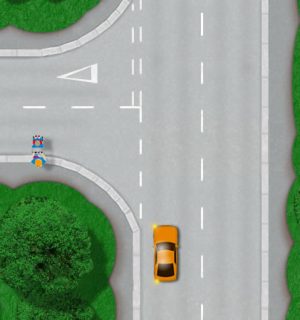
(90, 285)
(97, 280)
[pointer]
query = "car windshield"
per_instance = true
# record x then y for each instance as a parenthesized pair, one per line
(165, 270)
(165, 246)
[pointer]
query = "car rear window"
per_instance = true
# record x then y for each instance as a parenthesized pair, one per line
(165, 270)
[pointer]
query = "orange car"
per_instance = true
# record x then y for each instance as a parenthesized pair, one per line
(165, 240)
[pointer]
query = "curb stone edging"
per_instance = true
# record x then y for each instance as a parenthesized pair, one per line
(265, 160)
(116, 197)
(68, 46)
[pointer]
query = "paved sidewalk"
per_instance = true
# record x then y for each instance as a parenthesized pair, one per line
(17, 43)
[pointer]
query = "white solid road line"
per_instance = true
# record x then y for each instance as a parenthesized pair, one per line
(202, 218)
(202, 122)
(82, 107)
(141, 179)
(202, 170)
(132, 35)
(141, 34)
(141, 211)
(132, 67)
(34, 107)
(202, 268)
(202, 312)
(141, 147)
(202, 24)
(141, 66)
(202, 73)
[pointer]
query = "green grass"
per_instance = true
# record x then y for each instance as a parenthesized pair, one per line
(293, 203)
(43, 15)
(95, 287)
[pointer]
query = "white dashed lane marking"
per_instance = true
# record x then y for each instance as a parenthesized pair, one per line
(141, 211)
(132, 67)
(83, 107)
(132, 35)
(141, 34)
(34, 107)
(141, 179)
(140, 147)
(141, 66)
(202, 24)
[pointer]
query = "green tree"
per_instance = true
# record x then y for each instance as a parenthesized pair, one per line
(66, 307)
(44, 249)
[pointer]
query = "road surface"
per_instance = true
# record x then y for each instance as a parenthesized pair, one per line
(190, 158)
(283, 26)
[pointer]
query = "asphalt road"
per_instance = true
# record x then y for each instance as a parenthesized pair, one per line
(283, 26)
(200, 134)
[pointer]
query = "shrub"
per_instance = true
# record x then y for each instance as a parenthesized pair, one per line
(44, 249)
(67, 307)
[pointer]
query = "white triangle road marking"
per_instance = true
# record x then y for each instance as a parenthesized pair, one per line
(93, 79)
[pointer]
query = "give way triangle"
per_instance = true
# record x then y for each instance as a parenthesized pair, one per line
(90, 73)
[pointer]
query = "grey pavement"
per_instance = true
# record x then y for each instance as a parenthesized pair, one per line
(283, 26)
(15, 175)
(12, 38)
(106, 140)
(229, 146)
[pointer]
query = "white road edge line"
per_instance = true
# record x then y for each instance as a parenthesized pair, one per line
(202, 218)
(202, 73)
(132, 35)
(202, 170)
(141, 179)
(202, 121)
(83, 107)
(202, 24)
(34, 107)
(202, 268)
(141, 211)
(141, 147)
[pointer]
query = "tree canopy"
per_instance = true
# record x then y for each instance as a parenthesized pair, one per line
(44, 249)
(65, 307)
(43, 15)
